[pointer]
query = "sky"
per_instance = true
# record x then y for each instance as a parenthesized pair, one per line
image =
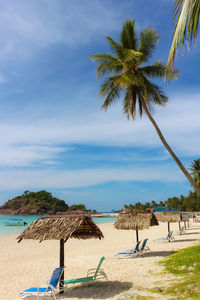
(53, 132)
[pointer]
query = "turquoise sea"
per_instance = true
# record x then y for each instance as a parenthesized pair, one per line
(6, 230)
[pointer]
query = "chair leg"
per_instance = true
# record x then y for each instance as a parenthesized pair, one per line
(54, 296)
(66, 289)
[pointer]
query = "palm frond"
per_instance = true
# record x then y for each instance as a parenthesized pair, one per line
(108, 84)
(128, 36)
(186, 27)
(116, 48)
(140, 108)
(132, 57)
(152, 93)
(129, 78)
(107, 64)
(111, 98)
(148, 41)
(158, 70)
(129, 102)
(124, 54)
(195, 171)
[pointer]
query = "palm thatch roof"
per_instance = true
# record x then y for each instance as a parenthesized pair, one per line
(170, 217)
(185, 217)
(61, 227)
(136, 221)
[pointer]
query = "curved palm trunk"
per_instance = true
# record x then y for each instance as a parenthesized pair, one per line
(193, 183)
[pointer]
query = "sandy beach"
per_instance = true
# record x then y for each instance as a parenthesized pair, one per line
(30, 263)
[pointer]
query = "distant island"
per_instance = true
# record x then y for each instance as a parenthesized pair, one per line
(40, 203)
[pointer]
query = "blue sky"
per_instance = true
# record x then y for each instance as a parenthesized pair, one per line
(53, 133)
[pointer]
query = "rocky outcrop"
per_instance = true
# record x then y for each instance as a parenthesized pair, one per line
(24, 210)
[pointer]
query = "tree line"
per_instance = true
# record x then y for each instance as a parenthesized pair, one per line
(182, 203)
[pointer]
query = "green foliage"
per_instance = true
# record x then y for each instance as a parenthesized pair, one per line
(188, 203)
(195, 171)
(77, 207)
(184, 263)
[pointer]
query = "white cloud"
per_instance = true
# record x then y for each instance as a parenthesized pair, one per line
(28, 26)
(179, 122)
(29, 155)
(51, 179)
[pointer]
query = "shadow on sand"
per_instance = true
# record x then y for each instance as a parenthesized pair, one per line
(158, 253)
(193, 228)
(185, 240)
(97, 290)
(187, 233)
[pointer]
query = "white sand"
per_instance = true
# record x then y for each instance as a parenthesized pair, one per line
(30, 263)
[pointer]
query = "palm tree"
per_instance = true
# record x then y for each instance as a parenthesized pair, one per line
(187, 14)
(129, 78)
(195, 171)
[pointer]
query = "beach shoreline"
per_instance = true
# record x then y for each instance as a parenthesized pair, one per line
(30, 263)
(10, 230)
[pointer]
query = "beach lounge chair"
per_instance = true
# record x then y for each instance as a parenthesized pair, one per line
(92, 274)
(144, 248)
(168, 238)
(131, 252)
(48, 290)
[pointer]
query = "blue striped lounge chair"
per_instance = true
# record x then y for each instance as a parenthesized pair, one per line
(129, 253)
(49, 290)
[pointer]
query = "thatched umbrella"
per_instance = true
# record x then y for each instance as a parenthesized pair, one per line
(185, 218)
(169, 217)
(61, 228)
(136, 221)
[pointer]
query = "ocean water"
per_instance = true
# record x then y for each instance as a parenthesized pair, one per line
(7, 230)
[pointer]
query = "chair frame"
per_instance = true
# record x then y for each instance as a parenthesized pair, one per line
(169, 238)
(92, 275)
(144, 248)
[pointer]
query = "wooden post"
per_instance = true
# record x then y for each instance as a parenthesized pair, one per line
(179, 223)
(62, 259)
(185, 225)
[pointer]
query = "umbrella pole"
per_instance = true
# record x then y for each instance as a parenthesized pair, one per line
(169, 229)
(137, 238)
(61, 284)
(179, 223)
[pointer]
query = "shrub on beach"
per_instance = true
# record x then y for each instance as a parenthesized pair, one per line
(186, 265)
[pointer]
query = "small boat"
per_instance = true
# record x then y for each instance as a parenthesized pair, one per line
(15, 222)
